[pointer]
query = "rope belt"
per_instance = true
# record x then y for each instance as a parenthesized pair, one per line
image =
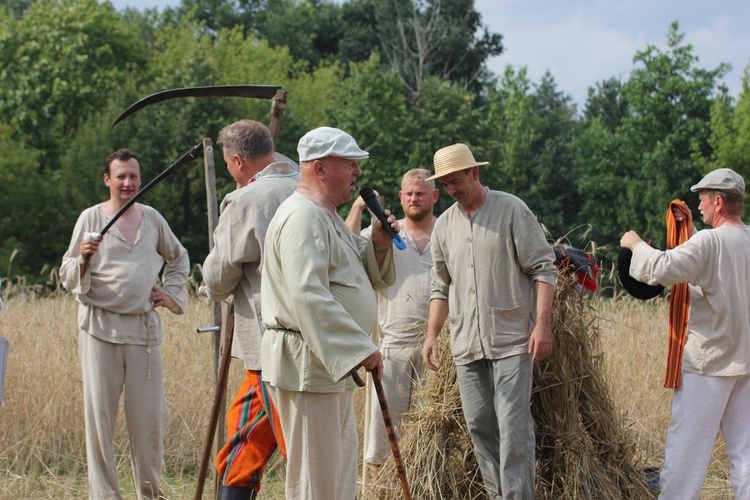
(679, 298)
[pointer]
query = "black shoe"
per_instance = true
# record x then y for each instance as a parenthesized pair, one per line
(236, 493)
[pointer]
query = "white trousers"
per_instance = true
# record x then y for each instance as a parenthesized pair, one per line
(401, 368)
(700, 406)
(107, 369)
(320, 432)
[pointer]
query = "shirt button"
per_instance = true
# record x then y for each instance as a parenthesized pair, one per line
(472, 291)
(468, 240)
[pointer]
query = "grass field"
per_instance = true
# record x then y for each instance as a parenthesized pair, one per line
(42, 449)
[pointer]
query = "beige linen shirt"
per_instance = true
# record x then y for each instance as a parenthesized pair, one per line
(233, 266)
(485, 265)
(318, 299)
(113, 293)
(402, 307)
(716, 264)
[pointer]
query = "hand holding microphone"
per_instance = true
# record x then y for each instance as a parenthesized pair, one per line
(373, 204)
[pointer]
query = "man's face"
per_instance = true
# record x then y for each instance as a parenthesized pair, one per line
(460, 186)
(124, 179)
(340, 178)
(417, 198)
(707, 208)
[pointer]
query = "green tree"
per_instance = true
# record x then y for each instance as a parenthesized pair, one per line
(24, 209)
(730, 133)
(444, 39)
(630, 174)
(60, 62)
(529, 148)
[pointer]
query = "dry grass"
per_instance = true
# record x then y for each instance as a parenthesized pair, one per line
(42, 451)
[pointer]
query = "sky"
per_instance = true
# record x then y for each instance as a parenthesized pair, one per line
(582, 42)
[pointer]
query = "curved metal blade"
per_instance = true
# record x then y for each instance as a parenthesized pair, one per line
(247, 91)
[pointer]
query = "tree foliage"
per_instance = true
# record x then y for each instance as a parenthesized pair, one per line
(404, 77)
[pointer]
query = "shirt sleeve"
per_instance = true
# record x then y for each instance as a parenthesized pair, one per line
(71, 277)
(174, 276)
(682, 264)
(333, 336)
(236, 243)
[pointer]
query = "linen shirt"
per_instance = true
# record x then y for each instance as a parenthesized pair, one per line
(319, 302)
(716, 265)
(233, 265)
(485, 266)
(403, 307)
(113, 293)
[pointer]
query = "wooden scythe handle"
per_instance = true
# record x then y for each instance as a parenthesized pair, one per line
(221, 388)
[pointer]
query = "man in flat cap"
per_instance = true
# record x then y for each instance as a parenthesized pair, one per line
(714, 387)
(319, 305)
(494, 271)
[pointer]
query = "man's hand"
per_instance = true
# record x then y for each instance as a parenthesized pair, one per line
(87, 247)
(431, 353)
(374, 361)
(629, 240)
(678, 214)
(379, 237)
(159, 298)
(540, 343)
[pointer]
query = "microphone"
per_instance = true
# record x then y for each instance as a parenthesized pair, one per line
(373, 204)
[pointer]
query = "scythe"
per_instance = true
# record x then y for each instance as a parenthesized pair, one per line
(278, 95)
(275, 92)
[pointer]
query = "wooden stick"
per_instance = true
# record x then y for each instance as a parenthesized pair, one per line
(219, 396)
(400, 469)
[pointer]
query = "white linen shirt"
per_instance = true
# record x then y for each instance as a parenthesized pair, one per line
(113, 294)
(233, 265)
(485, 266)
(716, 264)
(403, 307)
(318, 299)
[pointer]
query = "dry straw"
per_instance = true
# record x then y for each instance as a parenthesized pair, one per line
(584, 449)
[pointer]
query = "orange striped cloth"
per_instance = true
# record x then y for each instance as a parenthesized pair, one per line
(679, 298)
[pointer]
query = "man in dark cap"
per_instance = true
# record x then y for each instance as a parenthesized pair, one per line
(715, 380)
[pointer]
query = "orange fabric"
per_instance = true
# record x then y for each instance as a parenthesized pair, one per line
(254, 432)
(679, 298)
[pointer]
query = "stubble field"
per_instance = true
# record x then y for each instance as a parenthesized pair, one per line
(42, 449)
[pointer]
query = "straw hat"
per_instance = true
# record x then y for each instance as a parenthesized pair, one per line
(454, 159)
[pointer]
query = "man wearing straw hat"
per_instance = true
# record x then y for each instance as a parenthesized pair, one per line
(494, 271)
(319, 283)
(714, 386)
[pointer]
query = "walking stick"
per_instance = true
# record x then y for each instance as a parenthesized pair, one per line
(400, 470)
(221, 388)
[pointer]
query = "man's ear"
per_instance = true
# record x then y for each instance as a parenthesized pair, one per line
(721, 204)
(319, 168)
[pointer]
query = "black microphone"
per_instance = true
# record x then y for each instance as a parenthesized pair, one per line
(373, 204)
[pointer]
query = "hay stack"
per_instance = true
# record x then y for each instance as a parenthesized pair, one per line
(583, 448)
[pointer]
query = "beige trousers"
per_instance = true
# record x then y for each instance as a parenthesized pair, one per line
(320, 431)
(107, 369)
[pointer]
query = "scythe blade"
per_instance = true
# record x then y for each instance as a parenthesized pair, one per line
(247, 91)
